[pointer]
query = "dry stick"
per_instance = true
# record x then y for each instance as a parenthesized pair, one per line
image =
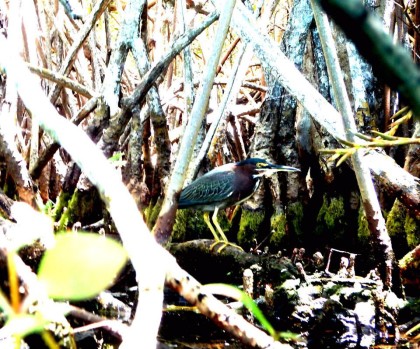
(94, 60)
(170, 31)
(149, 259)
(122, 117)
(50, 150)
(81, 64)
(107, 37)
(45, 46)
(112, 83)
(227, 54)
(237, 134)
(157, 117)
(177, 46)
(62, 80)
(100, 6)
(231, 90)
(165, 221)
(16, 164)
(370, 201)
(138, 94)
(245, 84)
(188, 71)
(29, 36)
(226, 318)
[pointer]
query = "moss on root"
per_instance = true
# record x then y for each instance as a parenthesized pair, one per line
(295, 217)
(331, 220)
(185, 221)
(396, 219)
(190, 225)
(62, 203)
(69, 215)
(331, 212)
(400, 224)
(249, 226)
(363, 233)
(152, 212)
(83, 206)
(412, 228)
(278, 230)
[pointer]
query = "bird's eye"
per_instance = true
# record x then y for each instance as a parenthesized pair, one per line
(261, 164)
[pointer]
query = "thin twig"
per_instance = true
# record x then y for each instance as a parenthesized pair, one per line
(98, 9)
(63, 81)
(370, 201)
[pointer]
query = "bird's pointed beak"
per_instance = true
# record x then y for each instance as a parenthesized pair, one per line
(273, 168)
(284, 168)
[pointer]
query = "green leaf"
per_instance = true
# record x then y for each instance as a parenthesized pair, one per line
(116, 157)
(235, 293)
(23, 324)
(80, 265)
(247, 301)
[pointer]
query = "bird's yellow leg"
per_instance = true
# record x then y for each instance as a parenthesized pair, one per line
(216, 224)
(207, 220)
(224, 240)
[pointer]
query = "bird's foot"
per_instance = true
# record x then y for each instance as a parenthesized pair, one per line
(223, 244)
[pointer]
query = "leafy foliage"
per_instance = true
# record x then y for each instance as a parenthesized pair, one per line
(80, 265)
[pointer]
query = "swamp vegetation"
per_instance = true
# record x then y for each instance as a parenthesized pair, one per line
(109, 108)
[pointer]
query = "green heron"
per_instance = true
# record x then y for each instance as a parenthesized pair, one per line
(224, 186)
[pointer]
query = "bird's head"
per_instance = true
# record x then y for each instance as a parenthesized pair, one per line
(261, 167)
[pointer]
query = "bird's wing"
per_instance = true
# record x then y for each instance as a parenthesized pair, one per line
(208, 190)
